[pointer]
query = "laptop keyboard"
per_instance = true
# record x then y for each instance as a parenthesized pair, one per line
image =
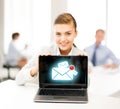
(63, 92)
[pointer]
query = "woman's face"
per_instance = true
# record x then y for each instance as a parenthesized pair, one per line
(64, 37)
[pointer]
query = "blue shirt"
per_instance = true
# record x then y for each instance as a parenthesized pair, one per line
(103, 55)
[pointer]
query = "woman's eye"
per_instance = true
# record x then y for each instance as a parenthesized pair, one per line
(58, 34)
(68, 33)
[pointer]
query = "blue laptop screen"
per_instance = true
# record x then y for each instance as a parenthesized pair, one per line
(63, 71)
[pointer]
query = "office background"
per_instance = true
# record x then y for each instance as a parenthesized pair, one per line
(34, 20)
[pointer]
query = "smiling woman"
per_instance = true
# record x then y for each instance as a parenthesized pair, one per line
(64, 32)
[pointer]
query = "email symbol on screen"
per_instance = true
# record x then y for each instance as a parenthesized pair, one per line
(64, 71)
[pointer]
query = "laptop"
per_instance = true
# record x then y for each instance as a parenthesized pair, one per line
(63, 79)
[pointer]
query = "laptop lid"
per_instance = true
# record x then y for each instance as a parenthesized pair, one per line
(63, 71)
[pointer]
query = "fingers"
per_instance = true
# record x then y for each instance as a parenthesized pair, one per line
(82, 54)
(34, 71)
(89, 70)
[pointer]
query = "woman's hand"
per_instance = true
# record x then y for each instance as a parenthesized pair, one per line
(35, 69)
(82, 54)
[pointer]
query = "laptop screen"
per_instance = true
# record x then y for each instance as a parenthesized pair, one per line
(63, 71)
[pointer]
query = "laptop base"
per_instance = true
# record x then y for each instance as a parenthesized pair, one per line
(60, 99)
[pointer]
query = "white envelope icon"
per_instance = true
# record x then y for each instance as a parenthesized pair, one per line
(63, 72)
(63, 64)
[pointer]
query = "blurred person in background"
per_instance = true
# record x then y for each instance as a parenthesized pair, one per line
(99, 54)
(15, 56)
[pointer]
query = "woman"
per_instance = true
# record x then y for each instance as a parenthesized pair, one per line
(65, 29)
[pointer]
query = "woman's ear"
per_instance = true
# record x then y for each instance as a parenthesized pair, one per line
(76, 33)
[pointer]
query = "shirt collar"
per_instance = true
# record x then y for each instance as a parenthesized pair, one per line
(97, 45)
(70, 53)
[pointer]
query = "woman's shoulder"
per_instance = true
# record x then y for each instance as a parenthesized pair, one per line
(77, 51)
(50, 50)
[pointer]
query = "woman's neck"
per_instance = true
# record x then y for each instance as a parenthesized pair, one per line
(66, 52)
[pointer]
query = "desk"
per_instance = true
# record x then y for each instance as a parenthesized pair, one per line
(104, 81)
(21, 97)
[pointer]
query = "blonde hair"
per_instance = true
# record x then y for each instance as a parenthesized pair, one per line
(66, 18)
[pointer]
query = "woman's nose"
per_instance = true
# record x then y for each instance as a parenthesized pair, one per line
(63, 38)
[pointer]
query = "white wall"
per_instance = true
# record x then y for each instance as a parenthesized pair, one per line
(32, 18)
(113, 33)
(1, 30)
